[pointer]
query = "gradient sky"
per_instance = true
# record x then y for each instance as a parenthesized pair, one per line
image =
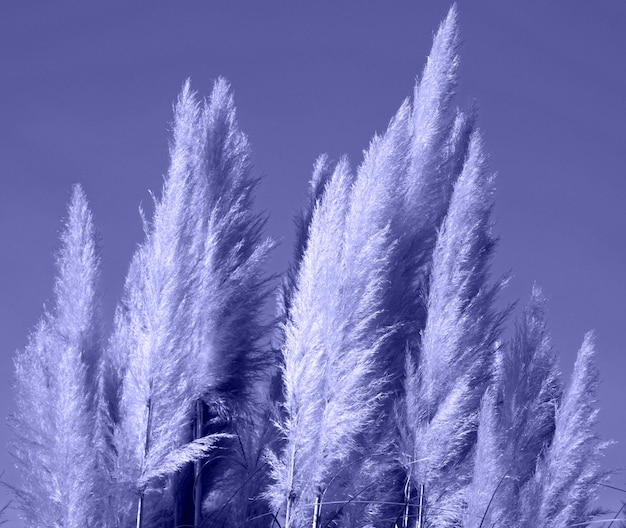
(86, 93)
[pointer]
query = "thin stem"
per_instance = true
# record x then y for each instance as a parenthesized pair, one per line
(274, 519)
(491, 500)
(291, 497)
(407, 502)
(617, 515)
(234, 494)
(139, 510)
(420, 513)
(392, 503)
(346, 503)
(316, 511)
(612, 487)
(197, 477)
(140, 504)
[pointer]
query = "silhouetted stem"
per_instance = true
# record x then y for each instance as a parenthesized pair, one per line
(491, 500)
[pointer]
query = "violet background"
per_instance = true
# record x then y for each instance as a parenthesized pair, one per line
(86, 91)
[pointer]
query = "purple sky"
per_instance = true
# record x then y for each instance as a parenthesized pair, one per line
(86, 96)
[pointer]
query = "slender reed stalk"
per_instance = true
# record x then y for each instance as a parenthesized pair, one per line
(317, 508)
(407, 502)
(197, 483)
(420, 511)
(140, 503)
